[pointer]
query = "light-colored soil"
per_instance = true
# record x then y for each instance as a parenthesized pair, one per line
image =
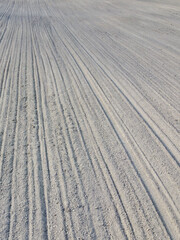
(90, 119)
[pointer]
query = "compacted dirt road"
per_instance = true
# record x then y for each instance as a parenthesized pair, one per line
(89, 119)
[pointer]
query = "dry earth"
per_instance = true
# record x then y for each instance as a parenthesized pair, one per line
(89, 119)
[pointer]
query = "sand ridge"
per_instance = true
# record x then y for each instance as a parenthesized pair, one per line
(89, 119)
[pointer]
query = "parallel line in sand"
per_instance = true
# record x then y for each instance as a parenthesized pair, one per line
(134, 166)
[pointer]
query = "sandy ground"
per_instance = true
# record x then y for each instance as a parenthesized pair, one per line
(89, 119)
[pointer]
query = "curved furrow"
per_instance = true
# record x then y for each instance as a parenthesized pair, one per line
(81, 136)
(116, 115)
(20, 202)
(106, 166)
(83, 140)
(113, 92)
(169, 47)
(89, 119)
(134, 88)
(167, 115)
(158, 106)
(103, 165)
(47, 137)
(140, 110)
(68, 157)
(120, 191)
(70, 140)
(6, 17)
(5, 53)
(43, 161)
(132, 66)
(8, 153)
(136, 107)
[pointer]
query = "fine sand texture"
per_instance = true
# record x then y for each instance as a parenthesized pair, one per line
(89, 119)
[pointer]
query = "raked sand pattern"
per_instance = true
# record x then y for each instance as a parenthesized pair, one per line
(89, 119)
